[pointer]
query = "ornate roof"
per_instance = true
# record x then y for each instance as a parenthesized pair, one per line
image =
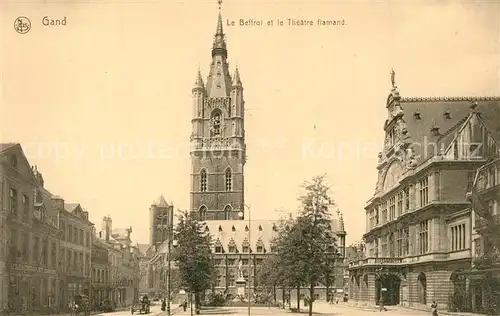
(434, 120)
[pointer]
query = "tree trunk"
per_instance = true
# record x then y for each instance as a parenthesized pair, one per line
(298, 298)
(311, 298)
(274, 293)
(283, 297)
(328, 295)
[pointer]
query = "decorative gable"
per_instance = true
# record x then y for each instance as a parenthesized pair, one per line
(232, 246)
(260, 246)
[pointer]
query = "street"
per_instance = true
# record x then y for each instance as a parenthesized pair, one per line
(321, 309)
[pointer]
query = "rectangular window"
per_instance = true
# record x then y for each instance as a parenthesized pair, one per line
(70, 232)
(13, 201)
(424, 191)
(458, 237)
(260, 249)
(399, 208)
(26, 207)
(53, 255)
(392, 208)
(231, 279)
(45, 254)
(245, 249)
(407, 200)
(36, 251)
(384, 246)
(218, 249)
(25, 249)
(399, 242)
(13, 251)
(81, 240)
(232, 249)
(424, 237)
(384, 212)
(244, 262)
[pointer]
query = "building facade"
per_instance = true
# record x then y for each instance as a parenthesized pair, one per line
(218, 149)
(30, 238)
(101, 267)
(75, 250)
(476, 288)
(419, 222)
(124, 275)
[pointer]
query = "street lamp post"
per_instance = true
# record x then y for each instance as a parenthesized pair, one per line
(169, 256)
(241, 214)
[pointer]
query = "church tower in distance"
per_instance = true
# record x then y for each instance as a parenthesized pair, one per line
(218, 150)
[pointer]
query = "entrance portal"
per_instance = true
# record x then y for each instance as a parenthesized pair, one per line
(387, 289)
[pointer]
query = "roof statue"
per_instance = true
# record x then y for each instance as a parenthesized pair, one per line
(393, 79)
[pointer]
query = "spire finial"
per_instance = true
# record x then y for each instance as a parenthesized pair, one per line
(220, 4)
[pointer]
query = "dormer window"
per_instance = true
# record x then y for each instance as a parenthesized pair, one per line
(218, 249)
(246, 249)
(417, 115)
(260, 249)
(447, 114)
(232, 249)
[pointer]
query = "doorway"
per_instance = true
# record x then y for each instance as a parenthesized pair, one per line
(387, 290)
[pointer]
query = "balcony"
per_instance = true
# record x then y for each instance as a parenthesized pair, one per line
(375, 261)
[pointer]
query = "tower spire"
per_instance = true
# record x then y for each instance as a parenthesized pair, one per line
(219, 46)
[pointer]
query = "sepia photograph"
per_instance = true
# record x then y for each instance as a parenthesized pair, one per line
(249, 157)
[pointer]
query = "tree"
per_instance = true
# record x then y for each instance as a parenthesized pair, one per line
(193, 255)
(317, 243)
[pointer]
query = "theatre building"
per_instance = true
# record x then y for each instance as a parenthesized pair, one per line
(419, 220)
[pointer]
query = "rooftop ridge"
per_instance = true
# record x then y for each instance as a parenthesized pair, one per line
(438, 99)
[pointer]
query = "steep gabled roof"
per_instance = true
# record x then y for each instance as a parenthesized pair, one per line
(448, 114)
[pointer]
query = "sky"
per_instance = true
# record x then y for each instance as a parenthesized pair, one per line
(119, 74)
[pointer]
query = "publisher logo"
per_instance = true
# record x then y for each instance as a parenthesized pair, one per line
(22, 25)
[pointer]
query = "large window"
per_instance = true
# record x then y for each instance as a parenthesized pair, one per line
(26, 207)
(424, 237)
(384, 246)
(203, 180)
(407, 200)
(458, 237)
(399, 208)
(392, 208)
(229, 180)
(423, 186)
(384, 212)
(13, 201)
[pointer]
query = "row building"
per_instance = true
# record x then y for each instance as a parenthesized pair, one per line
(419, 222)
(46, 245)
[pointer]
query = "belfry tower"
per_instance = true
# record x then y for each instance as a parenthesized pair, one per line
(218, 150)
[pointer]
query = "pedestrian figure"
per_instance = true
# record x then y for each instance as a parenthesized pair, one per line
(163, 305)
(184, 305)
(434, 308)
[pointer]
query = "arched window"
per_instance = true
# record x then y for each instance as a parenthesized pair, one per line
(229, 180)
(216, 123)
(203, 213)
(203, 180)
(227, 212)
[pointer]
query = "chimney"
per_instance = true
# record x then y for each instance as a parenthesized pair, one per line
(107, 226)
(58, 202)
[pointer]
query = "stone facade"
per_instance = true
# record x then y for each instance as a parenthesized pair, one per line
(101, 272)
(30, 237)
(419, 220)
(123, 256)
(218, 149)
